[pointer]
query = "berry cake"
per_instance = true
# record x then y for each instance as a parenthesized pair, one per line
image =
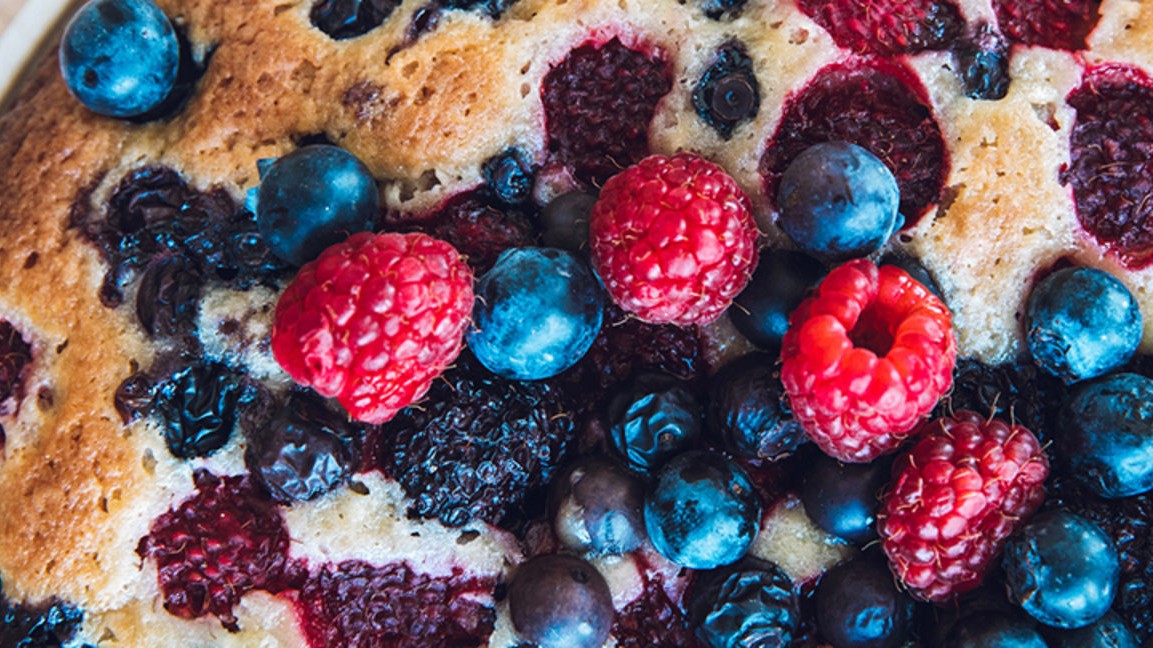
(577, 323)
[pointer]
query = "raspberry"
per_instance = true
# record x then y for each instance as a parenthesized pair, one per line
(885, 27)
(878, 105)
(358, 605)
(374, 320)
(865, 358)
(1111, 170)
(222, 542)
(957, 495)
(15, 359)
(673, 239)
(598, 104)
(1059, 24)
(653, 619)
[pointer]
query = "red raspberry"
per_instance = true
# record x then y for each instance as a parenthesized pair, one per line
(1059, 24)
(374, 320)
(865, 358)
(957, 496)
(673, 239)
(887, 27)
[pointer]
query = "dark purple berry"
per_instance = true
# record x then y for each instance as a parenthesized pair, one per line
(1006, 629)
(343, 19)
(747, 409)
(559, 601)
(167, 296)
(598, 507)
(509, 176)
(728, 93)
(780, 282)
(565, 220)
(983, 65)
(860, 606)
(752, 603)
(199, 406)
(653, 419)
(1108, 632)
(843, 498)
(15, 359)
(42, 626)
(133, 397)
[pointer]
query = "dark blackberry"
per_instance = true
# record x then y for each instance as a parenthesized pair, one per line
(167, 296)
(199, 405)
(728, 93)
(343, 19)
(15, 360)
(43, 626)
(983, 65)
(478, 445)
(509, 177)
(653, 619)
(1017, 391)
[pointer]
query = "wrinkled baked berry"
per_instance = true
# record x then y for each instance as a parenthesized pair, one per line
(343, 19)
(751, 603)
(747, 409)
(728, 93)
(426, 18)
(509, 177)
(167, 296)
(983, 65)
(721, 9)
(564, 221)
(1059, 24)
(15, 359)
(654, 418)
(887, 27)
(199, 406)
(653, 619)
(133, 396)
(42, 626)
(1017, 391)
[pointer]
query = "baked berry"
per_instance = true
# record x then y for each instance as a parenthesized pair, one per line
(957, 495)
(702, 512)
(374, 320)
(1106, 435)
(721, 9)
(199, 404)
(1073, 342)
(748, 412)
(536, 314)
(654, 418)
(995, 628)
(983, 64)
(1016, 390)
(313, 198)
(565, 221)
(46, 625)
(859, 605)
(866, 358)
(843, 498)
(728, 94)
(886, 27)
(752, 603)
(559, 601)
(597, 507)
(1107, 632)
(15, 361)
(653, 619)
(780, 283)
(673, 239)
(343, 19)
(509, 177)
(119, 57)
(1059, 24)
(427, 17)
(1062, 569)
(838, 201)
(167, 296)
(598, 104)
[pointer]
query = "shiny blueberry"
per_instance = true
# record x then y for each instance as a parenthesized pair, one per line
(843, 498)
(995, 628)
(312, 198)
(747, 410)
(838, 201)
(752, 603)
(199, 405)
(702, 512)
(1107, 435)
(343, 19)
(779, 284)
(654, 418)
(1062, 569)
(120, 57)
(983, 65)
(1081, 323)
(1107, 632)
(860, 606)
(565, 220)
(559, 601)
(728, 93)
(537, 312)
(598, 507)
(167, 296)
(509, 177)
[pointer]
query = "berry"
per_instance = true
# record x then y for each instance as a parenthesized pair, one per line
(673, 239)
(995, 629)
(965, 485)
(343, 19)
(565, 220)
(721, 9)
(1108, 632)
(559, 601)
(1016, 390)
(885, 27)
(509, 176)
(843, 498)
(119, 57)
(838, 201)
(1062, 569)
(748, 412)
(983, 65)
(536, 314)
(865, 358)
(199, 405)
(312, 198)
(728, 94)
(598, 104)
(42, 626)
(1058, 24)
(859, 606)
(878, 105)
(15, 361)
(220, 543)
(749, 604)
(598, 507)
(653, 619)
(479, 446)
(780, 283)
(374, 320)
(654, 418)
(1073, 342)
(167, 296)
(1106, 435)
(702, 512)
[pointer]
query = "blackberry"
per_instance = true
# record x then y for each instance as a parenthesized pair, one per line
(199, 405)
(15, 359)
(41, 626)
(478, 445)
(1017, 391)
(653, 619)
(728, 92)
(343, 19)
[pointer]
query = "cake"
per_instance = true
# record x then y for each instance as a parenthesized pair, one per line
(137, 293)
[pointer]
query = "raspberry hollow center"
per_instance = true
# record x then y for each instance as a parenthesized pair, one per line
(872, 330)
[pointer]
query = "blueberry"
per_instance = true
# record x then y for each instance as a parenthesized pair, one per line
(752, 603)
(598, 507)
(995, 628)
(559, 601)
(702, 512)
(728, 93)
(509, 177)
(779, 284)
(312, 198)
(343, 19)
(1106, 435)
(838, 201)
(1107, 632)
(843, 498)
(654, 418)
(1062, 569)
(747, 410)
(49, 624)
(120, 57)
(199, 405)
(537, 312)
(1081, 323)
(859, 605)
(565, 220)
(983, 65)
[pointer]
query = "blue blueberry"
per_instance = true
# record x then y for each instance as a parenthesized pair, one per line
(747, 409)
(565, 220)
(983, 65)
(312, 198)
(702, 512)
(860, 606)
(1081, 323)
(120, 57)
(1106, 435)
(559, 601)
(752, 603)
(838, 201)
(537, 312)
(654, 418)
(781, 281)
(1107, 632)
(509, 177)
(598, 507)
(843, 498)
(995, 628)
(1062, 569)
(728, 93)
